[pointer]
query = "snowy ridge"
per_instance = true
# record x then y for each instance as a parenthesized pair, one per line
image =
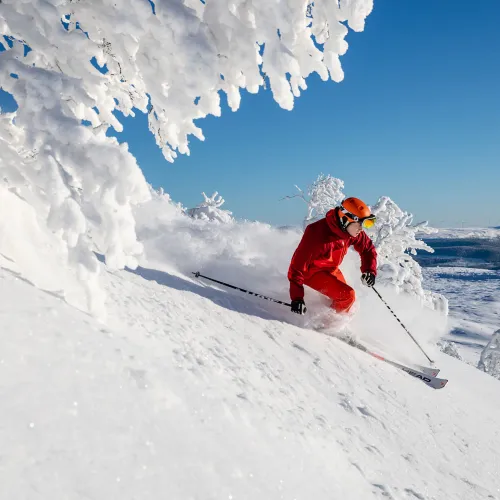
(465, 232)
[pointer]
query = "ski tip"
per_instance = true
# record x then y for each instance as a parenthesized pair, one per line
(440, 383)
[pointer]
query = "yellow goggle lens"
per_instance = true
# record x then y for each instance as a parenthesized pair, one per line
(368, 223)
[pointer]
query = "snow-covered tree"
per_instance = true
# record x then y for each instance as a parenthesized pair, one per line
(396, 240)
(324, 194)
(490, 356)
(210, 210)
(70, 65)
(449, 348)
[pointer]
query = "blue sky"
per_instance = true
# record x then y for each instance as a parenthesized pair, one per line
(417, 118)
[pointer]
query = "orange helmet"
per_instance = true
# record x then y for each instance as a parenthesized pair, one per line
(355, 210)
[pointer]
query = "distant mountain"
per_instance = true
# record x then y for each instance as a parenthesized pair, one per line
(464, 232)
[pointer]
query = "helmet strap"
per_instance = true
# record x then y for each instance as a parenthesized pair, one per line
(344, 222)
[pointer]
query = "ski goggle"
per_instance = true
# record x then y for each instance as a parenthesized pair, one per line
(366, 222)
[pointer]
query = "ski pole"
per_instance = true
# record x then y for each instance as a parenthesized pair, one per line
(401, 323)
(199, 275)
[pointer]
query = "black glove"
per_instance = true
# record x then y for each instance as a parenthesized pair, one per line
(368, 279)
(299, 306)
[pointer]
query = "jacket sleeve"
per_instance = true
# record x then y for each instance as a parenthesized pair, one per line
(300, 263)
(366, 249)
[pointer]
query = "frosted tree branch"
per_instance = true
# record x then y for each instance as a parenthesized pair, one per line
(210, 210)
(324, 194)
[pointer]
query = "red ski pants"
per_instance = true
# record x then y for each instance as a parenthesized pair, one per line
(333, 285)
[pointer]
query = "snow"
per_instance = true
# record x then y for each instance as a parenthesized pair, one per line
(490, 357)
(394, 235)
(210, 209)
(474, 299)
(464, 233)
(186, 390)
(323, 194)
(467, 271)
(192, 392)
(256, 257)
(22, 255)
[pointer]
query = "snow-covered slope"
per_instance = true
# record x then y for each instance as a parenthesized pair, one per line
(192, 393)
(185, 391)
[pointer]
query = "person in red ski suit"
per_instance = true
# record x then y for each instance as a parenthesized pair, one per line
(322, 249)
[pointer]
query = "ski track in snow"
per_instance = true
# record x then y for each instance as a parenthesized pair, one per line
(192, 393)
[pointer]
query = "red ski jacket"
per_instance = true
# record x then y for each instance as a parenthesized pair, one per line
(323, 248)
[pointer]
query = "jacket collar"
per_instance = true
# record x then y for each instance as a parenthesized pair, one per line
(333, 221)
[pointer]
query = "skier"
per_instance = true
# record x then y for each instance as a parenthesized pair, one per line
(322, 249)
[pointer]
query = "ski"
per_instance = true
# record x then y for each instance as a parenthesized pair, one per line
(430, 380)
(428, 371)
(426, 378)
